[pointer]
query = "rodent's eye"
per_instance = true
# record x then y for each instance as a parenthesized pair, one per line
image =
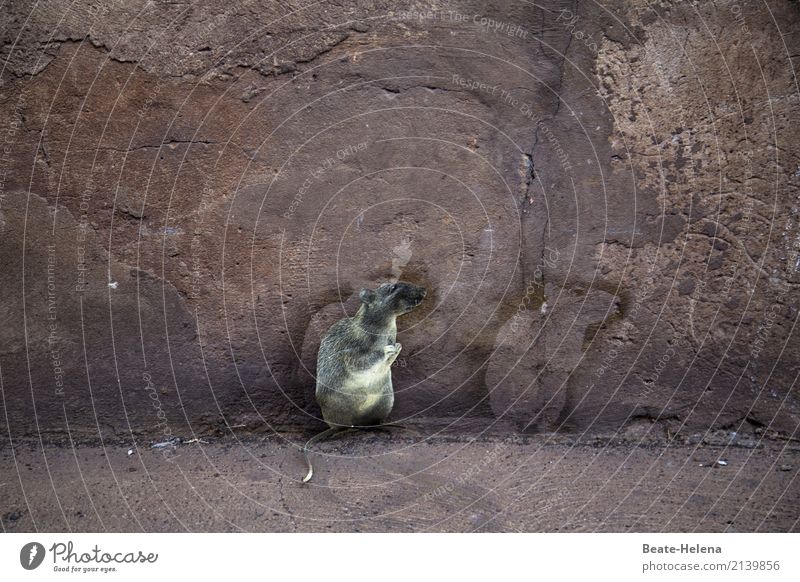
(393, 288)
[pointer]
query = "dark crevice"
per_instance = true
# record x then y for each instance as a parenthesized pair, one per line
(290, 66)
(158, 146)
(274, 71)
(432, 88)
(95, 43)
(528, 174)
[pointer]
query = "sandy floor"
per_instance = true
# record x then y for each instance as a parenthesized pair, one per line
(392, 482)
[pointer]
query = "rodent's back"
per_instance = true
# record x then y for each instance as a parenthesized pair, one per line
(330, 358)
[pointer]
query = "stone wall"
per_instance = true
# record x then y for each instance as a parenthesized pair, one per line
(604, 200)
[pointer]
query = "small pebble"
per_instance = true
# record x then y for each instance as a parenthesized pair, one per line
(12, 516)
(721, 462)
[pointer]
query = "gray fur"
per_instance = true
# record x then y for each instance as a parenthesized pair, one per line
(354, 376)
(354, 364)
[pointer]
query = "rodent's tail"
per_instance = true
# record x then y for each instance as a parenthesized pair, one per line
(316, 438)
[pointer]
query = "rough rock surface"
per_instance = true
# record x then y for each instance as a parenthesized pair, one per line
(189, 190)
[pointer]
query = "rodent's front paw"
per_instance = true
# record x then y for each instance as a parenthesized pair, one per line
(392, 349)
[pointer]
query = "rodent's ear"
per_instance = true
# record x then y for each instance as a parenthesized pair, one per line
(367, 295)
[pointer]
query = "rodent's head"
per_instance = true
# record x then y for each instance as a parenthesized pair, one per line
(396, 298)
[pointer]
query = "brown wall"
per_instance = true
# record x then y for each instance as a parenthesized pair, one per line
(603, 201)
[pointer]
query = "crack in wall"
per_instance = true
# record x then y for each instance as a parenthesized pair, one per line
(157, 146)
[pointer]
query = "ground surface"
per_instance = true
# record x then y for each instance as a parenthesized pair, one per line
(400, 483)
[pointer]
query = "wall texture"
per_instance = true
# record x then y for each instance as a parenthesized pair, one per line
(603, 198)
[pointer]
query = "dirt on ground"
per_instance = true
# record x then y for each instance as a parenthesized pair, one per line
(401, 481)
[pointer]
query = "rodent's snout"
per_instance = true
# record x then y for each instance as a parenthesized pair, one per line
(408, 297)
